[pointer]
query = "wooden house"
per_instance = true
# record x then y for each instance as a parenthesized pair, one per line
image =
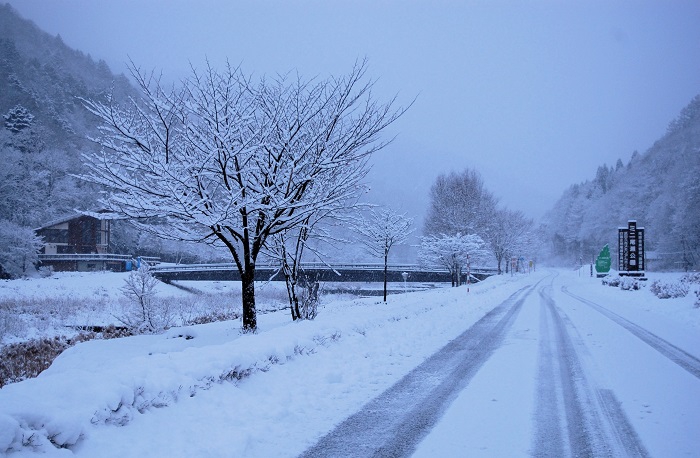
(79, 243)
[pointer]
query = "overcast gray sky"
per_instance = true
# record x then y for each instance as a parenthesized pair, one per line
(533, 94)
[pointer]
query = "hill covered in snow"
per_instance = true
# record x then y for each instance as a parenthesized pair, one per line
(660, 189)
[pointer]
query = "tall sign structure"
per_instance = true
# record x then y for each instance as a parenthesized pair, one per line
(630, 250)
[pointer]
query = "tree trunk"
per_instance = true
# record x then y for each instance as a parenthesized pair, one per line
(248, 292)
(386, 263)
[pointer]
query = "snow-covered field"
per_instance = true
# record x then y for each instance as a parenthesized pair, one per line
(207, 390)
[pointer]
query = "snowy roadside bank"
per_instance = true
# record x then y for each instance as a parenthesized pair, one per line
(111, 382)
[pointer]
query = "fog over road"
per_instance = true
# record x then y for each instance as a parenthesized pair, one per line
(548, 372)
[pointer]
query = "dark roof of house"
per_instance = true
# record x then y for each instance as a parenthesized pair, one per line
(100, 214)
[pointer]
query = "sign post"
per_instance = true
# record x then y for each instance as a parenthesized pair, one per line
(630, 250)
(603, 262)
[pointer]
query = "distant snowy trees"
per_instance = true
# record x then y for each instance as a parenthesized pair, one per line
(18, 119)
(379, 231)
(34, 186)
(19, 246)
(226, 160)
(462, 207)
(510, 234)
(660, 189)
(451, 252)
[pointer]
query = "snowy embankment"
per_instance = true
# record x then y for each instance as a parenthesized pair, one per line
(109, 382)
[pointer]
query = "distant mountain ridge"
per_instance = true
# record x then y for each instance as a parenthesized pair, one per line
(660, 189)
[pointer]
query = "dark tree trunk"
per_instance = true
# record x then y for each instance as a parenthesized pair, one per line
(248, 292)
(386, 263)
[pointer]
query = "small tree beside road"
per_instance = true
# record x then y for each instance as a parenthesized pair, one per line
(379, 231)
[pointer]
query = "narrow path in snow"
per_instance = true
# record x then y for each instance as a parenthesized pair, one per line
(574, 417)
(393, 423)
(679, 356)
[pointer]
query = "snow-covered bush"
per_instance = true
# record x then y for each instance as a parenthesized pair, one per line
(664, 290)
(144, 313)
(630, 284)
(45, 271)
(624, 283)
(694, 280)
(611, 281)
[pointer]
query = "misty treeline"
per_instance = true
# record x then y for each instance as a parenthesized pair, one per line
(466, 225)
(660, 189)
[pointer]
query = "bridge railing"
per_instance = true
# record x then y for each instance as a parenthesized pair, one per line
(95, 257)
(312, 266)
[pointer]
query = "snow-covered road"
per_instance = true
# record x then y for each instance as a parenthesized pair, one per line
(603, 386)
(392, 423)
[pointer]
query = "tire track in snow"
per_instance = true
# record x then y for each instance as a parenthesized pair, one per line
(549, 434)
(392, 424)
(679, 356)
(593, 422)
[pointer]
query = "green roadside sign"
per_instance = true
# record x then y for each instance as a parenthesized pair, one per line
(602, 263)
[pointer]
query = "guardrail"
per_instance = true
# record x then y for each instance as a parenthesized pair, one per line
(96, 257)
(304, 266)
(314, 266)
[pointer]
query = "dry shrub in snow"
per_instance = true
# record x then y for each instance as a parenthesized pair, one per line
(28, 359)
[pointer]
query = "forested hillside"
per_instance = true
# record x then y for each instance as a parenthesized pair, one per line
(660, 189)
(44, 124)
(44, 131)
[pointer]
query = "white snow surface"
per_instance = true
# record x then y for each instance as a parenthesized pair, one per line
(208, 390)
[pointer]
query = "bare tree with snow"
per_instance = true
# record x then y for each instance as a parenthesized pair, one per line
(508, 234)
(287, 249)
(380, 230)
(451, 252)
(459, 203)
(225, 161)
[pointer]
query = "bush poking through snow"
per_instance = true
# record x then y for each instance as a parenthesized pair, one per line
(664, 290)
(28, 359)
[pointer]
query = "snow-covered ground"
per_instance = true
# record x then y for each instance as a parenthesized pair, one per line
(553, 365)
